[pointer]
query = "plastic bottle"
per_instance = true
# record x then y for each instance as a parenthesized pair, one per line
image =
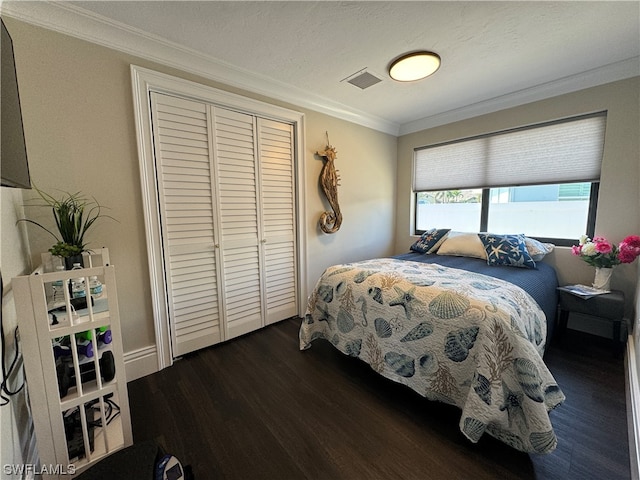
(57, 284)
(95, 287)
(78, 288)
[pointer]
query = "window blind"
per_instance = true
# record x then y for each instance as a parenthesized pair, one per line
(564, 151)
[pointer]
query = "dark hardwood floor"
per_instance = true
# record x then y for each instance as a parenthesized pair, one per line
(258, 408)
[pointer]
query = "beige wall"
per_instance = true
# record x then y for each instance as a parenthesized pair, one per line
(79, 127)
(366, 195)
(14, 261)
(636, 315)
(617, 214)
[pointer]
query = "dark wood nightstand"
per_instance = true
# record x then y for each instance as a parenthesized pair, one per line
(607, 306)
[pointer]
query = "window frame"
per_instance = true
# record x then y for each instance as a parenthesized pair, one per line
(484, 216)
(553, 168)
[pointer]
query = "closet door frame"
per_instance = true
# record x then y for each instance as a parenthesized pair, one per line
(145, 81)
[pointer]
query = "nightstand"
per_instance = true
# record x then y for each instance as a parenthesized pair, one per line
(607, 306)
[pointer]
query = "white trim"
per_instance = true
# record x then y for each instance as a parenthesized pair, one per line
(141, 88)
(609, 73)
(74, 21)
(141, 362)
(145, 81)
(633, 407)
(301, 205)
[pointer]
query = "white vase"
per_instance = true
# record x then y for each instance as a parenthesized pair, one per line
(602, 280)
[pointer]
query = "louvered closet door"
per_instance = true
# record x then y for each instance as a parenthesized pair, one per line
(186, 186)
(275, 143)
(235, 160)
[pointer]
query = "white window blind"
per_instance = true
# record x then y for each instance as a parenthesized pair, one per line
(565, 151)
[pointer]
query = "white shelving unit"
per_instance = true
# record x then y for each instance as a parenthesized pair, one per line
(47, 317)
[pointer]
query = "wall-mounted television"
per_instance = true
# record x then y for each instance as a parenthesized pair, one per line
(14, 167)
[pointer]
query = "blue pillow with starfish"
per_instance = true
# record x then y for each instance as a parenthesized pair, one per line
(510, 250)
(430, 240)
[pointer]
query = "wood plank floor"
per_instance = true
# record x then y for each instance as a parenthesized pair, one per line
(258, 408)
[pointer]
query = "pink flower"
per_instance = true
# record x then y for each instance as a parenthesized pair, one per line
(627, 256)
(629, 249)
(632, 240)
(576, 250)
(602, 246)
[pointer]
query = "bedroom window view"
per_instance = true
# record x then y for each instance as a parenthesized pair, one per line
(541, 180)
(457, 209)
(545, 211)
(558, 211)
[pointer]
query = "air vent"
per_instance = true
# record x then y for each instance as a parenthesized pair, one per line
(363, 79)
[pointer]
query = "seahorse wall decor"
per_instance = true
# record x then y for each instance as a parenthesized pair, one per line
(330, 221)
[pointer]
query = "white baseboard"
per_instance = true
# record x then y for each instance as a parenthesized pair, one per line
(141, 362)
(633, 407)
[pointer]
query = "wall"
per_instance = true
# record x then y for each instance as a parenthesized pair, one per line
(366, 195)
(79, 128)
(636, 321)
(617, 215)
(632, 363)
(15, 422)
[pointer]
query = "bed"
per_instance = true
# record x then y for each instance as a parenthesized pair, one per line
(455, 329)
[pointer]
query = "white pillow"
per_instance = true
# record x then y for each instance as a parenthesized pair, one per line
(462, 244)
(537, 249)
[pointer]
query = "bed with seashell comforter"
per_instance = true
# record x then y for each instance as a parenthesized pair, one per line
(452, 335)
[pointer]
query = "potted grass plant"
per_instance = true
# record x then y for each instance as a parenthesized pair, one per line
(74, 214)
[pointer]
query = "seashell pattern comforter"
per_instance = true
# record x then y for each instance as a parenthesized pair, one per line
(451, 335)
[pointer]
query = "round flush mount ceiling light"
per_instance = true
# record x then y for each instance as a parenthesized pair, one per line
(414, 66)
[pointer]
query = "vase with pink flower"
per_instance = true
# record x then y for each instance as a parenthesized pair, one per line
(604, 256)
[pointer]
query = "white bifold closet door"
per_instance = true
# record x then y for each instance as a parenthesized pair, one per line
(240, 235)
(275, 141)
(185, 180)
(226, 202)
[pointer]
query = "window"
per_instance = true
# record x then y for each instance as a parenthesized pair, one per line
(540, 180)
(456, 209)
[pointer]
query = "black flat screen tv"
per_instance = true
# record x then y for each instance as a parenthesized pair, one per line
(14, 167)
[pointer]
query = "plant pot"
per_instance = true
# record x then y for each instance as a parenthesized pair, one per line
(69, 261)
(602, 280)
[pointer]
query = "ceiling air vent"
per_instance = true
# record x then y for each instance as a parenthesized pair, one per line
(363, 79)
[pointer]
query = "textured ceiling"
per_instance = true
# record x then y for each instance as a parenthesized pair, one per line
(489, 49)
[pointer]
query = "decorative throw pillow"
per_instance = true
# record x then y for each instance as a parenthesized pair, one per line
(462, 244)
(537, 249)
(430, 240)
(509, 250)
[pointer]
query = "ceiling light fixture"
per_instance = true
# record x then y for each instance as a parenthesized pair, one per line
(414, 66)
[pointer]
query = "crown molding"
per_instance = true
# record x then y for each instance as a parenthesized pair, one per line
(599, 76)
(74, 21)
(77, 22)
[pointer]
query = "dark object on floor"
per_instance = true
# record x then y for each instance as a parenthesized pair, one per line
(66, 372)
(73, 431)
(137, 462)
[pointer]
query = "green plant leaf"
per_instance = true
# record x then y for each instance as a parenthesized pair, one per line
(73, 215)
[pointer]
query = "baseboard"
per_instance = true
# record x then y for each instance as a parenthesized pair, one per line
(141, 362)
(633, 407)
